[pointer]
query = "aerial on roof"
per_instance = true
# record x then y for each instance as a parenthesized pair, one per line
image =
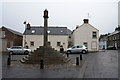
(39, 30)
(13, 31)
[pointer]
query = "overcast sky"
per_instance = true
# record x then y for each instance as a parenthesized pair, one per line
(103, 14)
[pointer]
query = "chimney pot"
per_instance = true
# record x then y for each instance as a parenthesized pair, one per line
(86, 21)
(28, 26)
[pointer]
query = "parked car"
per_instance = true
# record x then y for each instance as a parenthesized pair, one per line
(111, 48)
(76, 49)
(18, 50)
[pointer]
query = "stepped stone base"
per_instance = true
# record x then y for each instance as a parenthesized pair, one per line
(48, 54)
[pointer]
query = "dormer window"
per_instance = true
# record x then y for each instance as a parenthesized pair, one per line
(33, 31)
(48, 31)
(61, 31)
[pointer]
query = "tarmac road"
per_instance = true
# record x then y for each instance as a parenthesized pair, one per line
(95, 65)
(101, 65)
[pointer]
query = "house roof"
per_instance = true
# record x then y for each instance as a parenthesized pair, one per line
(13, 31)
(89, 25)
(39, 30)
(69, 31)
(113, 33)
(103, 37)
(83, 26)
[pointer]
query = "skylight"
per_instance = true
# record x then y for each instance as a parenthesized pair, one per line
(48, 31)
(33, 31)
(61, 31)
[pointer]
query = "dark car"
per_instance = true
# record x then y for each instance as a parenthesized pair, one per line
(111, 48)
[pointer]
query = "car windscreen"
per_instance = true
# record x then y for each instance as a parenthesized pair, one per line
(73, 47)
(14, 48)
(80, 46)
(19, 47)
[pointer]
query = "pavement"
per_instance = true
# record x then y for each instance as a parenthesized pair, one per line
(119, 64)
(103, 64)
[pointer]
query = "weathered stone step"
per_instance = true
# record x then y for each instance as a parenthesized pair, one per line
(24, 58)
(50, 56)
(22, 61)
(44, 48)
(27, 56)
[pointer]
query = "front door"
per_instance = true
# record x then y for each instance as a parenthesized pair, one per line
(94, 45)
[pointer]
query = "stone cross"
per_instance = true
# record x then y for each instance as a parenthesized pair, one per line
(45, 27)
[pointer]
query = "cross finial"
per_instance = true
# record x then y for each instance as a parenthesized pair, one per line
(88, 15)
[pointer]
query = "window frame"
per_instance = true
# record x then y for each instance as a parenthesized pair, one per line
(58, 43)
(94, 34)
(32, 44)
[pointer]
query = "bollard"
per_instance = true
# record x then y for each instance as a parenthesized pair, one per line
(80, 56)
(8, 61)
(67, 54)
(77, 60)
(41, 64)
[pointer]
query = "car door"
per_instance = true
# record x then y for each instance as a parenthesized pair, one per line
(80, 48)
(20, 50)
(14, 49)
(74, 49)
(77, 49)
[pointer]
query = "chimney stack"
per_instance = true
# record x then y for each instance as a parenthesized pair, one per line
(86, 21)
(28, 26)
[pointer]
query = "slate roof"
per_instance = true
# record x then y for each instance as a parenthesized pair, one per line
(113, 33)
(14, 32)
(103, 37)
(39, 30)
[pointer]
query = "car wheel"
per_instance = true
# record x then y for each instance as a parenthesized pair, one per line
(83, 51)
(69, 52)
(11, 52)
(26, 52)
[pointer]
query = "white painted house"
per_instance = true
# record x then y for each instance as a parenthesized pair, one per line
(86, 35)
(57, 36)
(103, 42)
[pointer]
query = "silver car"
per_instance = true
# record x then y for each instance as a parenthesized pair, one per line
(77, 49)
(18, 49)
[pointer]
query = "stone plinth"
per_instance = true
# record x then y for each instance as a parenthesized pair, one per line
(48, 54)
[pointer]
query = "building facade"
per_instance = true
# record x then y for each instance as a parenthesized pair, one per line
(57, 36)
(9, 38)
(103, 42)
(86, 35)
(3, 41)
(114, 38)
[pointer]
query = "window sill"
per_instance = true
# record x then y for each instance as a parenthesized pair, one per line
(94, 38)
